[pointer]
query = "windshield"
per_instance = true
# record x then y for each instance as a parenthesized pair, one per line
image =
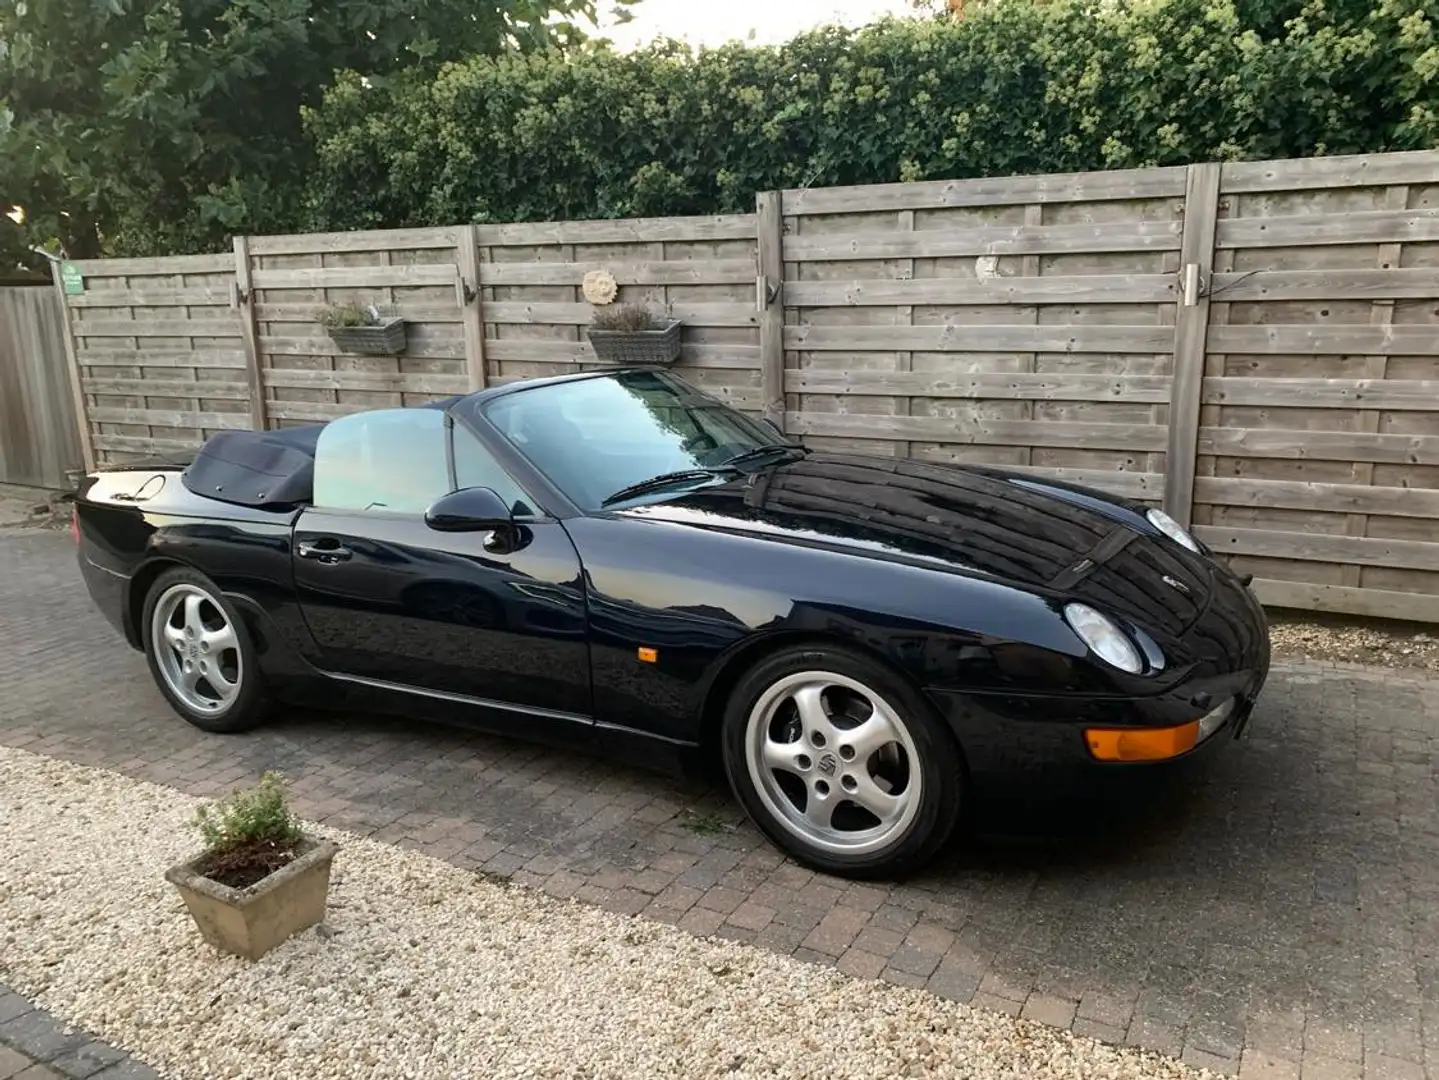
(595, 437)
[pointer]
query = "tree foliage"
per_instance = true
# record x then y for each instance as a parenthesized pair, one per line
(1014, 87)
(162, 125)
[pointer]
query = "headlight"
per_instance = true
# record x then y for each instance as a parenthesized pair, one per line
(1106, 639)
(1172, 529)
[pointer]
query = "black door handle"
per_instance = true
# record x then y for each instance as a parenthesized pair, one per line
(323, 551)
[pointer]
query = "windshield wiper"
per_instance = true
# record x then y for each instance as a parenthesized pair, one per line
(763, 452)
(659, 483)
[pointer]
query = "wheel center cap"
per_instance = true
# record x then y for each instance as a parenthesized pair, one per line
(828, 764)
(192, 652)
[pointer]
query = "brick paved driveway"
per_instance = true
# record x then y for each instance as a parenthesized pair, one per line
(1281, 916)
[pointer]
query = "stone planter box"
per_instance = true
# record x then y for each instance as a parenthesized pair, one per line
(250, 922)
(385, 339)
(637, 346)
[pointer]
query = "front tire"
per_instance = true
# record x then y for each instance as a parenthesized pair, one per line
(841, 763)
(200, 654)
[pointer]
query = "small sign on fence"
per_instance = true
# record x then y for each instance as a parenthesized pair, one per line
(71, 280)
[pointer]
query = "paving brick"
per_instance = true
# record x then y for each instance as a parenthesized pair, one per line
(1044, 1009)
(981, 1000)
(39, 1072)
(751, 916)
(861, 964)
(1257, 1065)
(1383, 1067)
(1203, 1059)
(37, 1035)
(11, 1062)
(87, 1060)
(1093, 1029)
(1154, 1035)
(1316, 1066)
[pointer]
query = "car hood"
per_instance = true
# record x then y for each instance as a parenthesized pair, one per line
(1022, 530)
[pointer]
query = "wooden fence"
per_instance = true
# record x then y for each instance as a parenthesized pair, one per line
(1255, 346)
(39, 439)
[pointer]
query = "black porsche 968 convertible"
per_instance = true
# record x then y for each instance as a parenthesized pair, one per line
(618, 560)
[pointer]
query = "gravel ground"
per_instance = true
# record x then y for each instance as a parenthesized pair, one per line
(425, 970)
(1388, 644)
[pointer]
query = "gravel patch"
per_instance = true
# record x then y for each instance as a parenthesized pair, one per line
(426, 970)
(1354, 641)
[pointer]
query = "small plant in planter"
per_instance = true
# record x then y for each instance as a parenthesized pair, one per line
(358, 329)
(632, 334)
(260, 878)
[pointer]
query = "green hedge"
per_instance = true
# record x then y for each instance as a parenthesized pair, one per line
(1017, 87)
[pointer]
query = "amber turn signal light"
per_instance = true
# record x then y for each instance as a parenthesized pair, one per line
(1142, 744)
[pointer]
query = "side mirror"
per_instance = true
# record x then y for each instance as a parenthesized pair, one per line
(476, 509)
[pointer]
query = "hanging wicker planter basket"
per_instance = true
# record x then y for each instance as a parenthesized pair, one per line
(385, 338)
(661, 346)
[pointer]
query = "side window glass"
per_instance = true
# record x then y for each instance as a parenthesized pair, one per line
(390, 460)
(475, 466)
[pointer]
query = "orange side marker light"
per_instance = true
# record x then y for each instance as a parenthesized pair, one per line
(648, 655)
(1142, 744)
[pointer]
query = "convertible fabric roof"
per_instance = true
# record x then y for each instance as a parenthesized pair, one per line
(268, 470)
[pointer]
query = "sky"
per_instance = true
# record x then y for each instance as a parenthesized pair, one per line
(713, 22)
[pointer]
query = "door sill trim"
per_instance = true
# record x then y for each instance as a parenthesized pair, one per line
(461, 699)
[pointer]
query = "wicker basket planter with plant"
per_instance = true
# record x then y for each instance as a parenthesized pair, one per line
(631, 334)
(260, 879)
(357, 329)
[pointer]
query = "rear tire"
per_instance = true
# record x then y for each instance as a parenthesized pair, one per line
(841, 763)
(201, 655)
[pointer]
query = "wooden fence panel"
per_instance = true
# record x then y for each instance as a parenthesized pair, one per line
(1319, 436)
(702, 270)
(39, 437)
(160, 354)
(1026, 322)
(408, 272)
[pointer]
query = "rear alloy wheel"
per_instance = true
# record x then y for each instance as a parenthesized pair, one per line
(200, 654)
(841, 763)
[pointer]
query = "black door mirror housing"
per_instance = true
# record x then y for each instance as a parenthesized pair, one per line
(475, 509)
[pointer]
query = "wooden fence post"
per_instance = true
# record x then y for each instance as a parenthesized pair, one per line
(467, 263)
(72, 364)
(769, 297)
(249, 334)
(1191, 331)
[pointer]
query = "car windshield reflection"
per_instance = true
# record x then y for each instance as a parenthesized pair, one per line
(597, 437)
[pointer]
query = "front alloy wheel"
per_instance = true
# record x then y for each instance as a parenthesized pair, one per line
(841, 763)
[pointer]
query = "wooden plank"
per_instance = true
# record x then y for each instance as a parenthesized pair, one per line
(191, 358)
(1336, 498)
(1088, 289)
(144, 444)
(467, 260)
(319, 411)
(1017, 386)
(1413, 340)
(428, 312)
(620, 231)
(770, 230)
(1321, 547)
(1398, 394)
(561, 314)
(40, 435)
(1355, 170)
(981, 338)
(988, 191)
(356, 277)
(249, 334)
(390, 381)
(359, 240)
(1320, 445)
(1353, 227)
(164, 265)
(1346, 600)
(197, 296)
(230, 421)
(985, 240)
(72, 365)
(1068, 435)
(212, 389)
(529, 351)
(1191, 324)
(671, 272)
(145, 327)
(1420, 283)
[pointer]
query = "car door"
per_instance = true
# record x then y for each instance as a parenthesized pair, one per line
(391, 601)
